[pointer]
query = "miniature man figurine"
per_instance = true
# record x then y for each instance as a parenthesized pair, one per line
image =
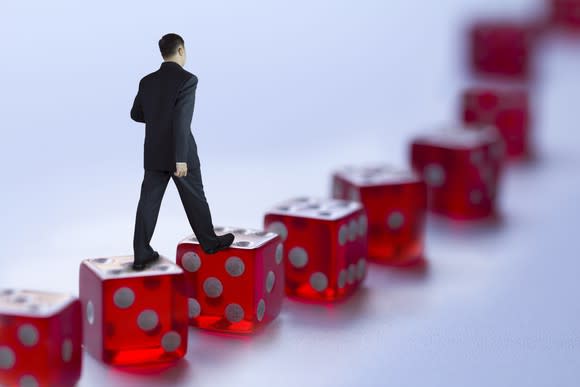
(165, 102)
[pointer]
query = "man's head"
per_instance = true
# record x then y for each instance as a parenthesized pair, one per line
(172, 48)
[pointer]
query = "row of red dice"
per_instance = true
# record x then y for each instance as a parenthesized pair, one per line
(315, 249)
(312, 249)
(505, 49)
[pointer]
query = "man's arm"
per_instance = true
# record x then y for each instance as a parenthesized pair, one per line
(137, 109)
(182, 115)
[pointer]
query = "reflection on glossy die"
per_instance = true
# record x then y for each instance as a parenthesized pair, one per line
(236, 290)
(501, 48)
(462, 169)
(40, 338)
(395, 202)
(565, 13)
(325, 246)
(133, 317)
(506, 109)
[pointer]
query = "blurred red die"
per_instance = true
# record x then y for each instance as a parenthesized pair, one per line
(462, 170)
(40, 338)
(395, 202)
(505, 108)
(501, 48)
(565, 13)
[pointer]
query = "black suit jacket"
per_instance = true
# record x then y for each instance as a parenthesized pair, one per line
(165, 103)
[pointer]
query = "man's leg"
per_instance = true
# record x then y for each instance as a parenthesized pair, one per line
(152, 191)
(190, 190)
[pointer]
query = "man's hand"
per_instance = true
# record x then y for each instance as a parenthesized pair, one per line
(180, 169)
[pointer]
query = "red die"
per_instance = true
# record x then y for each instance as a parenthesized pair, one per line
(565, 13)
(507, 110)
(133, 317)
(238, 289)
(501, 48)
(395, 202)
(326, 246)
(462, 170)
(40, 338)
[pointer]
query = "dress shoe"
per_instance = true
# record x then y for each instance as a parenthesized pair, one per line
(224, 241)
(142, 265)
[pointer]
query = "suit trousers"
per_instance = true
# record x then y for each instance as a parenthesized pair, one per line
(190, 190)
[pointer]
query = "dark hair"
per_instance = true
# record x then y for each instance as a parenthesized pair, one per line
(169, 43)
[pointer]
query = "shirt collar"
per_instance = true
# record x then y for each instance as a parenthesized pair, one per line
(169, 64)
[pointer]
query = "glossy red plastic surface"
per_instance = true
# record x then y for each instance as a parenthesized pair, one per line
(501, 48)
(43, 351)
(507, 110)
(396, 216)
(134, 320)
(565, 13)
(236, 290)
(463, 181)
(325, 260)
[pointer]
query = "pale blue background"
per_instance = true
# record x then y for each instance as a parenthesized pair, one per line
(289, 90)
